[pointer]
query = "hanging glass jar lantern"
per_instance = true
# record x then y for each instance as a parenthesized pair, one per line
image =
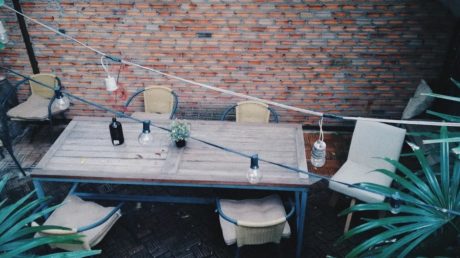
(318, 150)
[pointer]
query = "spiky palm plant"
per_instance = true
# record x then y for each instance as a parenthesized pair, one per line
(16, 234)
(422, 225)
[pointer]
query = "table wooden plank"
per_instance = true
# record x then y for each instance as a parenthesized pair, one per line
(84, 151)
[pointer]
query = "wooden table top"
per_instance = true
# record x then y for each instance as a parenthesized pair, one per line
(84, 151)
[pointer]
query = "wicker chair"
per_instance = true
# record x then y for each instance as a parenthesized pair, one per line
(370, 143)
(254, 221)
(159, 102)
(91, 219)
(251, 112)
(38, 107)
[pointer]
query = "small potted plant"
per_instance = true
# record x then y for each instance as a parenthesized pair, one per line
(180, 131)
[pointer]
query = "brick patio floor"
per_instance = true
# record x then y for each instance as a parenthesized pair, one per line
(176, 230)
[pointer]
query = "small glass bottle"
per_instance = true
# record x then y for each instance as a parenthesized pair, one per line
(318, 154)
(116, 132)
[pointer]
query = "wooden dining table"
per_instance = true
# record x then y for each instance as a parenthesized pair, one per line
(83, 153)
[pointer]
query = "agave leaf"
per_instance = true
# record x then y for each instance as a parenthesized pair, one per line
(4, 213)
(363, 247)
(28, 230)
(3, 202)
(74, 254)
(455, 82)
(32, 217)
(418, 234)
(430, 176)
(406, 184)
(19, 247)
(443, 116)
(440, 96)
(445, 177)
(413, 177)
(4, 181)
(13, 219)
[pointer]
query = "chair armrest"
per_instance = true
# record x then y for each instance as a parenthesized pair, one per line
(133, 96)
(226, 112)
(102, 220)
(222, 214)
(21, 82)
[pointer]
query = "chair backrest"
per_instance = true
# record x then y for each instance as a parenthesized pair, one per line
(372, 141)
(252, 112)
(159, 100)
(47, 79)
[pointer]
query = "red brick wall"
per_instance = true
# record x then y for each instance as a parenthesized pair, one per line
(347, 57)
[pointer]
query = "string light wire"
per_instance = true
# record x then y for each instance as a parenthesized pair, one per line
(233, 93)
(329, 179)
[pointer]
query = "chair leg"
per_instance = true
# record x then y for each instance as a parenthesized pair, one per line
(334, 199)
(349, 216)
(9, 148)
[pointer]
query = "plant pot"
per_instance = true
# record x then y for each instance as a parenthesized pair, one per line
(181, 143)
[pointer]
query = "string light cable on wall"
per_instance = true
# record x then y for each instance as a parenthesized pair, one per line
(396, 198)
(229, 92)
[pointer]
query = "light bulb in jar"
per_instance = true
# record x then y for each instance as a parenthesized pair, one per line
(145, 137)
(318, 154)
(254, 175)
(61, 102)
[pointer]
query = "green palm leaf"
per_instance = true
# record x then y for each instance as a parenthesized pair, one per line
(17, 238)
(414, 178)
(455, 82)
(74, 254)
(424, 197)
(443, 116)
(429, 174)
(445, 177)
(391, 233)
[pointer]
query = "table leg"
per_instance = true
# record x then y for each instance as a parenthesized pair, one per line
(40, 193)
(297, 208)
(301, 204)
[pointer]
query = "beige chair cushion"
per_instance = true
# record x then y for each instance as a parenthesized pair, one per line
(40, 90)
(251, 210)
(34, 108)
(76, 213)
(150, 116)
(252, 112)
(370, 143)
(159, 100)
